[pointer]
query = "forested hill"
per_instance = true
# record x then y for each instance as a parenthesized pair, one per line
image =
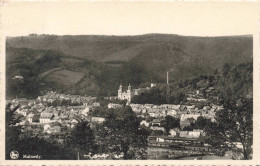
(103, 62)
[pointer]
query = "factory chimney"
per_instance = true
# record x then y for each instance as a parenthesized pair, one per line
(167, 77)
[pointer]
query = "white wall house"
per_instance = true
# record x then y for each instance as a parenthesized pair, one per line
(46, 117)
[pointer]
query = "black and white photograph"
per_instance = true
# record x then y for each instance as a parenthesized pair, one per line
(128, 80)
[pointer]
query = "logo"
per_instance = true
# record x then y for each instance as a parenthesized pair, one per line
(14, 154)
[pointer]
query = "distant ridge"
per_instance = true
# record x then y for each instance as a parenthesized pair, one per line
(96, 47)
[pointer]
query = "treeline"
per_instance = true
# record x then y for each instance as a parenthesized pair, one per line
(231, 81)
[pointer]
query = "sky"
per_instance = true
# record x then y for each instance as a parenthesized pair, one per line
(129, 18)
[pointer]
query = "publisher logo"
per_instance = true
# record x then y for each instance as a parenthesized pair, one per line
(14, 154)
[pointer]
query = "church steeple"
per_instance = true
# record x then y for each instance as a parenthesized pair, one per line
(129, 87)
(120, 90)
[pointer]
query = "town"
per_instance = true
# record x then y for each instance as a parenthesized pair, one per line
(54, 114)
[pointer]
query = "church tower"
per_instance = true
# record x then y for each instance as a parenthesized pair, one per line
(120, 91)
(129, 93)
(129, 88)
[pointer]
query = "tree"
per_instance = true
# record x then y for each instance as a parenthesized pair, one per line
(81, 139)
(157, 133)
(170, 123)
(46, 148)
(201, 122)
(122, 134)
(188, 128)
(226, 68)
(233, 125)
(12, 131)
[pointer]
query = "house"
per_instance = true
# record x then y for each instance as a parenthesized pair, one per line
(158, 128)
(56, 113)
(187, 122)
(201, 132)
(46, 127)
(171, 113)
(194, 134)
(163, 112)
(24, 112)
(174, 132)
(184, 123)
(40, 109)
(86, 110)
(113, 105)
(71, 122)
(25, 107)
(156, 122)
(191, 107)
(137, 110)
(144, 123)
(159, 139)
(46, 117)
(53, 129)
(144, 110)
(36, 118)
(98, 119)
(56, 119)
(187, 116)
(30, 117)
(148, 106)
(96, 104)
(175, 107)
(153, 114)
(183, 108)
(184, 134)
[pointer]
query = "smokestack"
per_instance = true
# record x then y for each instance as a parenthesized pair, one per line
(167, 77)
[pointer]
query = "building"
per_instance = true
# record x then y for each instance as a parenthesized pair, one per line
(113, 105)
(130, 93)
(98, 119)
(174, 132)
(30, 117)
(127, 95)
(156, 122)
(158, 128)
(187, 119)
(144, 123)
(46, 117)
(162, 147)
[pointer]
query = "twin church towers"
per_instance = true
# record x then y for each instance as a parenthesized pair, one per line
(130, 93)
(127, 95)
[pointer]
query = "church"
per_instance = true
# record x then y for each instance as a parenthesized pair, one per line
(130, 93)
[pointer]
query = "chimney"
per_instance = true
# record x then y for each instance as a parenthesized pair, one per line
(167, 77)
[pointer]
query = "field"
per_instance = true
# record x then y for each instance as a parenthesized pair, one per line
(44, 74)
(64, 77)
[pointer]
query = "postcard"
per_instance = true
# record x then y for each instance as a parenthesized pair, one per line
(129, 83)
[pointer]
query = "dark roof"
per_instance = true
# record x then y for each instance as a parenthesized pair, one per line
(36, 118)
(156, 121)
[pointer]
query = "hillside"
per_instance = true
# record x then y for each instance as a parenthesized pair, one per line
(103, 62)
(125, 48)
